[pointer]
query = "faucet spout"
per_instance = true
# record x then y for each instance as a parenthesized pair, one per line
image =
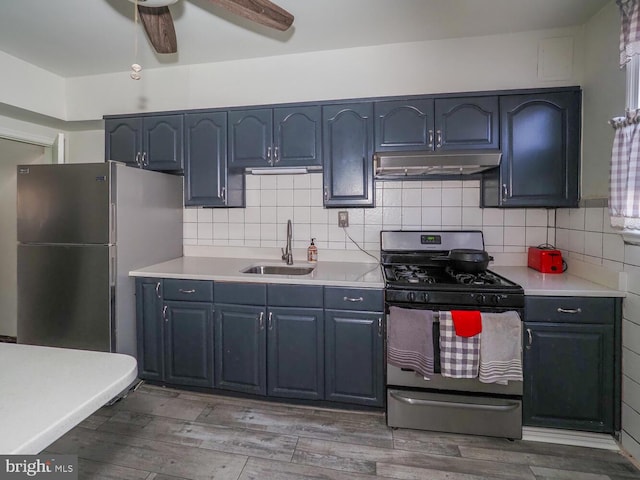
(287, 255)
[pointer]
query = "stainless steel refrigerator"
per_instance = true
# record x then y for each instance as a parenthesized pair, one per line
(81, 229)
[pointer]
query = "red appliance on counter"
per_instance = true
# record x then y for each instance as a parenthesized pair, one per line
(546, 259)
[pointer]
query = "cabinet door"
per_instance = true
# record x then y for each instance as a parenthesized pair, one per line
(348, 149)
(540, 152)
(123, 139)
(207, 180)
(568, 376)
(297, 136)
(241, 348)
(189, 343)
(466, 123)
(250, 138)
(149, 328)
(354, 357)
(162, 137)
(404, 125)
(295, 352)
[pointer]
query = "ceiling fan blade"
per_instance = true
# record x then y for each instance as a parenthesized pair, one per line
(260, 11)
(158, 24)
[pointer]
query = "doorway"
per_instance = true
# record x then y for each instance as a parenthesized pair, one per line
(12, 153)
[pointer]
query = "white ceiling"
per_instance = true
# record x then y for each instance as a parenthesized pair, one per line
(86, 37)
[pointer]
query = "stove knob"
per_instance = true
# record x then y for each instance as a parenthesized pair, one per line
(425, 297)
(411, 296)
(496, 299)
(479, 298)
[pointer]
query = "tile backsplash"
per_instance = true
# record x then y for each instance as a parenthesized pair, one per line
(272, 200)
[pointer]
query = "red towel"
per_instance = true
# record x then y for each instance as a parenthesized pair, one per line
(467, 323)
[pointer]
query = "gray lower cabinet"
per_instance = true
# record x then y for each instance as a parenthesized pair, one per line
(571, 370)
(175, 331)
(269, 339)
(354, 345)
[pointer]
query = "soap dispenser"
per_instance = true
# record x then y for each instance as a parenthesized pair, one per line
(312, 252)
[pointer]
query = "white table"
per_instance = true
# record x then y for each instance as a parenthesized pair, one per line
(45, 391)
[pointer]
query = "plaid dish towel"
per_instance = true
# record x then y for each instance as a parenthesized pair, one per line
(459, 356)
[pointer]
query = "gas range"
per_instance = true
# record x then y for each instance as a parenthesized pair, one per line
(415, 272)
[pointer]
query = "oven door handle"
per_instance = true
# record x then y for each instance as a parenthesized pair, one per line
(437, 403)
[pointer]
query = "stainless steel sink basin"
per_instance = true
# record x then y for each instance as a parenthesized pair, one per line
(278, 270)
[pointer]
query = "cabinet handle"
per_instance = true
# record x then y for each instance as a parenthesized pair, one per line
(353, 299)
(430, 139)
(269, 161)
(145, 161)
(137, 159)
(326, 193)
(379, 326)
(438, 138)
(261, 320)
(530, 338)
(276, 155)
(569, 310)
(164, 313)
(270, 321)
(223, 194)
(158, 289)
(193, 290)
(505, 191)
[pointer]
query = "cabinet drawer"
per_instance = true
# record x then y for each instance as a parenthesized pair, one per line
(190, 290)
(354, 299)
(295, 295)
(242, 293)
(570, 309)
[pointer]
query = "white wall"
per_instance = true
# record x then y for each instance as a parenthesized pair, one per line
(467, 64)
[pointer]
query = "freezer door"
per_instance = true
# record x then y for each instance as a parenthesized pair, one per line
(65, 296)
(64, 203)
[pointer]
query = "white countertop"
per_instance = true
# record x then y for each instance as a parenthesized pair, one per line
(45, 391)
(554, 284)
(348, 274)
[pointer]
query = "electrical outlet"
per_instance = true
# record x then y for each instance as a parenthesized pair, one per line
(343, 219)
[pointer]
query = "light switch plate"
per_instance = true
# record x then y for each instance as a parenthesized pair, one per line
(343, 219)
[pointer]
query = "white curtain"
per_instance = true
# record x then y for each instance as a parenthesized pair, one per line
(624, 191)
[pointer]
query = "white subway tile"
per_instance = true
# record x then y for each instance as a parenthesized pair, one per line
(373, 216)
(321, 233)
(190, 241)
(535, 236)
(492, 216)
(316, 180)
(452, 184)
(470, 197)
(268, 182)
(391, 185)
(220, 230)
(301, 215)
(218, 242)
(613, 265)
(252, 198)
(411, 197)
(452, 197)
(431, 197)
(283, 214)
(302, 182)
(269, 244)
(515, 217)
(391, 216)
(268, 215)
(284, 198)
(356, 216)
(236, 231)
(633, 278)
(268, 198)
(551, 218)
(472, 216)
(613, 247)
(252, 214)
(593, 244)
(252, 231)
(593, 219)
(357, 233)
(302, 234)
(336, 245)
(392, 197)
(252, 243)
(221, 215)
(576, 218)
(562, 239)
(432, 184)
(536, 217)
(302, 198)
(190, 214)
(336, 234)
(372, 234)
(236, 215)
(514, 236)
(316, 198)
(411, 216)
(562, 218)
(205, 215)
(452, 216)
(190, 230)
(576, 241)
(431, 215)
(493, 236)
(320, 215)
(632, 254)
(205, 230)
(267, 231)
(284, 182)
(471, 184)
(252, 182)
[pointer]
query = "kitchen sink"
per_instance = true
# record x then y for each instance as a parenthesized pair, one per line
(278, 270)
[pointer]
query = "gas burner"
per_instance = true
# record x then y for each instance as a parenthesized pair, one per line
(412, 274)
(480, 278)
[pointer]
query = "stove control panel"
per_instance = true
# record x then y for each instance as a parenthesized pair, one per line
(454, 299)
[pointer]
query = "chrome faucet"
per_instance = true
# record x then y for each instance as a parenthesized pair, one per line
(287, 255)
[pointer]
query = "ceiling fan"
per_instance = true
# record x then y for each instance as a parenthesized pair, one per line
(157, 21)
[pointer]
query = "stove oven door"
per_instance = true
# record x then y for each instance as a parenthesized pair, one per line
(452, 405)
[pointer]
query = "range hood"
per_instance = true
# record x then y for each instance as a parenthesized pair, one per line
(415, 164)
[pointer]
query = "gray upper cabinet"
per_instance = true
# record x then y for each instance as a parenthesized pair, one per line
(348, 149)
(208, 182)
(540, 152)
(437, 124)
(154, 142)
(278, 137)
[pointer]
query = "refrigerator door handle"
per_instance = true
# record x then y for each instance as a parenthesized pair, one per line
(114, 231)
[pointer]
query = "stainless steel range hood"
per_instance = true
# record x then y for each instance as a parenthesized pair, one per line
(415, 164)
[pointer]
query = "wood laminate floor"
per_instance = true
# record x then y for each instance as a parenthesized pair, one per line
(164, 434)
